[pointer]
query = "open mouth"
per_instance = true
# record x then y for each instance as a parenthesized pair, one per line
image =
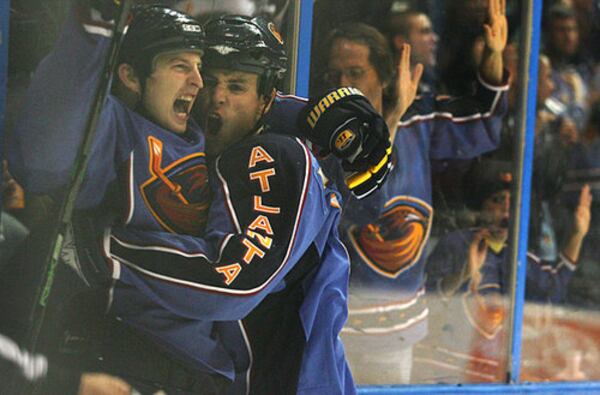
(504, 223)
(213, 124)
(183, 105)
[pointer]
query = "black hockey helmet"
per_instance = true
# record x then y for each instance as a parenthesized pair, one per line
(156, 29)
(247, 44)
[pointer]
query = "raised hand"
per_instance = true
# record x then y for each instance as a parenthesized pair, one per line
(476, 258)
(582, 215)
(496, 31)
(407, 84)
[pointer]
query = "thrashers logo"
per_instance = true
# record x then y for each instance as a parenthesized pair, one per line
(178, 196)
(396, 240)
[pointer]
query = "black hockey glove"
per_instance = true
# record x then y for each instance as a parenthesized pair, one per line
(344, 123)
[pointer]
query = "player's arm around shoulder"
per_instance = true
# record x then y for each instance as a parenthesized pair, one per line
(272, 169)
(275, 198)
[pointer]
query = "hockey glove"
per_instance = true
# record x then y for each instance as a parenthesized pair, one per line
(344, 123)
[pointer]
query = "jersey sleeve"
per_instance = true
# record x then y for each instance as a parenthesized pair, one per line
(461, 127)
(548, 281)
(51, 123)
(270, 215)
(283, 114)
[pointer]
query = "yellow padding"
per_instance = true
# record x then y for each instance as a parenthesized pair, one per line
(357, 179)
(378, 167)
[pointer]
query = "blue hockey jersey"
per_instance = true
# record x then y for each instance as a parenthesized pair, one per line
(278, 269)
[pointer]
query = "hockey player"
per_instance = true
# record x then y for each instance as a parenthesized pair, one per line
(147, 169)
(387, 232)
(467, 276)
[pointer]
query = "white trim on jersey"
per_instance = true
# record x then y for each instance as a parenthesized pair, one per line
(131, 193)
(449, 116)
(158, 248)
(98, 30)
(250, 356)
(116, 265)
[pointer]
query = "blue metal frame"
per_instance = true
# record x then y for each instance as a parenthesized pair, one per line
(304, 45)
(531, 388)
(530, 45)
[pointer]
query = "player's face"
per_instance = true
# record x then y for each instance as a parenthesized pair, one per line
(172, 88)
(230, 107)
(423, 40)
(349, 65)
(495, 213)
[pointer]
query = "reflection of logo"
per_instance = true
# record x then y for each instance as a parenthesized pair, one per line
(178, 196)
(275, 32)
(344, 139)
(485, 312)
(396, 240)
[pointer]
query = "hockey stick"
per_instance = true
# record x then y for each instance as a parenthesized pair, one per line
(38, 311)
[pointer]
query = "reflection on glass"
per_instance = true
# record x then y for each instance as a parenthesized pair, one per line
(389, 235)
(560, 333)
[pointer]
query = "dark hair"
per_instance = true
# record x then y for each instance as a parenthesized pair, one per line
(560, 11)
(380, 55)
(399, 23)
(484, 179)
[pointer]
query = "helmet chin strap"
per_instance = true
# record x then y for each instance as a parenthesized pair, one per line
(259, 125)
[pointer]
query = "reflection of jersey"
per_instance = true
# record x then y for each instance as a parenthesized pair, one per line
(260, 299)
(388, 231)
(466, 326)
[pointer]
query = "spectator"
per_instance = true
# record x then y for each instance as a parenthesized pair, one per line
(387, 232)
(468, 272)
(584, 169)
(554, 137)
(415, 28)
(572, 68)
